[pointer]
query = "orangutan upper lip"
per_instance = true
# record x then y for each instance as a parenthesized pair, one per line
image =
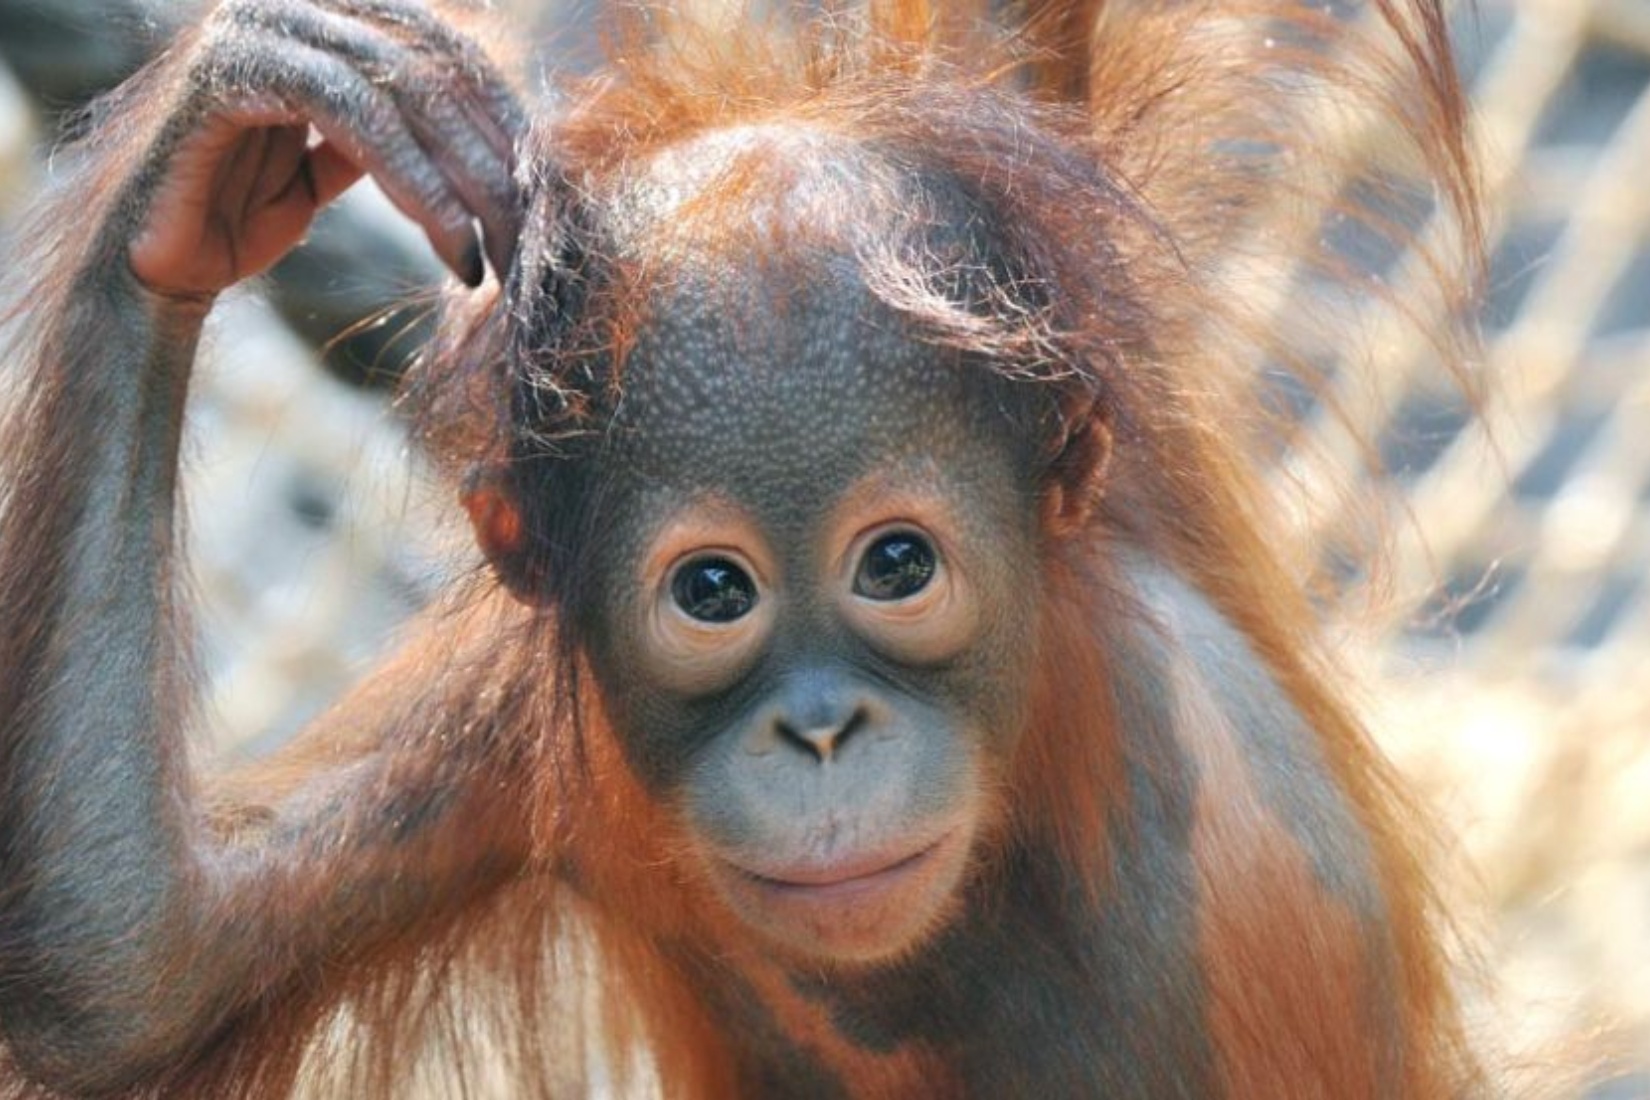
(839, 874)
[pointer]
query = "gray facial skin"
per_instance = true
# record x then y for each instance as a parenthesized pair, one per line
(781, 421)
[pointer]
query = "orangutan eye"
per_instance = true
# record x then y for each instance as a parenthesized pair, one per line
(713, 590)
(896, 566)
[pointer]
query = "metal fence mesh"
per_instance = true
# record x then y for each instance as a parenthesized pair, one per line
(1519, 684)
(1554, 561)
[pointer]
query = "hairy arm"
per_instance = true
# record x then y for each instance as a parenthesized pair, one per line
(1312, 924)
(132, 931)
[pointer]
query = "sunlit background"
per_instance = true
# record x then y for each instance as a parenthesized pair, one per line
(1513, 683)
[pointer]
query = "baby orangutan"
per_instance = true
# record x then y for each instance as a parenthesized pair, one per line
(888, 681)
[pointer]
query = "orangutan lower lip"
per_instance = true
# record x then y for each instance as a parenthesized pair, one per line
(849, 876)
(864, 906)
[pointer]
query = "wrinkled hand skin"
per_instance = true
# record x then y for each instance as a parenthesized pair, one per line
(286, 103)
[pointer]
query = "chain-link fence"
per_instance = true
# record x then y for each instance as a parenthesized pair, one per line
(1519, 688)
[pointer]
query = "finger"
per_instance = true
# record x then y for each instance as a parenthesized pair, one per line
(484, 181)
(470, 268)
(418, 25)
(365, 124)
(445, 119)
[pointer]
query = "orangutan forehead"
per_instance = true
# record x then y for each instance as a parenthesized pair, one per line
(740, 384)
(766, 352)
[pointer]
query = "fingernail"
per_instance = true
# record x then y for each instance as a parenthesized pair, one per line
(474, 270)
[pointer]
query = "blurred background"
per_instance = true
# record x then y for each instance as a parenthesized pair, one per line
(1511, 677)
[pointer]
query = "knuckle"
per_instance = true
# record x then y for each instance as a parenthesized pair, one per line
(355, 102)
(238, 13)
(414, 78)
(233, 16)
(214, 68)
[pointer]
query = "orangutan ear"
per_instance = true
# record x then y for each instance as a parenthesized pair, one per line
(499, 527)
(1077, 479)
